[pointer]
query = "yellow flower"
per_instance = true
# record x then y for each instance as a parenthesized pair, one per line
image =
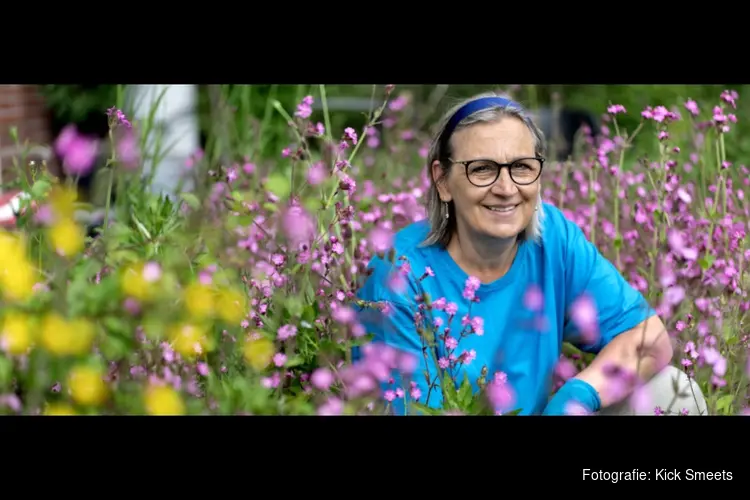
(135, 284)
(199, 300)
(190, 340)
(15, 335)
(17, 280)
(59, 409)
(163, 400)
(62, 201)
(86, 385)
(258, 353)
(66, 237)
(17, 275)
(63, 337)
(84, 332)
(12, 245)
(231, 305)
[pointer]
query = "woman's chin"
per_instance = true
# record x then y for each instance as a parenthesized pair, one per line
(502, 226)
(502, 231)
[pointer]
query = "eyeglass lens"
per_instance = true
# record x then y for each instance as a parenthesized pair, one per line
(485, 172)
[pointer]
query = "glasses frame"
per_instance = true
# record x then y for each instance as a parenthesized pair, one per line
(467, 163)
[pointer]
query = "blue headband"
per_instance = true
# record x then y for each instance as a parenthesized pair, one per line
(474, 106)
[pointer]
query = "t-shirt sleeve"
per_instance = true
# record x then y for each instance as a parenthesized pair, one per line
(599, 303)
(392, 316)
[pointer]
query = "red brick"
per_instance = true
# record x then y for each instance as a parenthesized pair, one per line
(23, 107)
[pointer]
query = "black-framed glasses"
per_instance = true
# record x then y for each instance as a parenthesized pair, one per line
(483, 173)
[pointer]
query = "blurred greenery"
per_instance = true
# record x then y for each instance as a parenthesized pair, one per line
(73, 103)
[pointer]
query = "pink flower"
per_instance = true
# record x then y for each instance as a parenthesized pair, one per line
(132, 306)
(344, 315)
(565, 369)
(298, 226)
(500, 393)
(316, 173)
(471, 286)
(333, 406)
(304, 109)
(279, 359)
(381, 239)
(415, 392)
(286, 331)
(127, 150)
(584, 315)
(322, 378)
(351, 135)
(151, 271)
(692, 106)
(640, 400)
(533, 299)
(65, 139)
(79, 154)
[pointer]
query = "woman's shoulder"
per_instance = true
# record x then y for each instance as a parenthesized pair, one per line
(558, 226)
(391, 271)
(410, 237)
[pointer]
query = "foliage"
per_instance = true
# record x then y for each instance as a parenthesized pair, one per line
(73, 103)
(239, 297)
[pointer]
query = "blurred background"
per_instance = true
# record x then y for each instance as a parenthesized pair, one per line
(194, 115)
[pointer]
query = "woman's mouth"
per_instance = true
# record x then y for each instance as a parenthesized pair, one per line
(502, 209)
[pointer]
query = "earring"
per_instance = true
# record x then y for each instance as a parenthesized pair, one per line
(536, 208)
(447, 210)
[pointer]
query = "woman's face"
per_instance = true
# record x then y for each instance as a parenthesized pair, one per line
(503, 209)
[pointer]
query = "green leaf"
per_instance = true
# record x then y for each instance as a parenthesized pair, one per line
(141, 228)
(192, 200)
(312, 205)
(294, 306)
(618, 241)
(730, 333)
(40, 188)
(706, 262)
(309, 314)
(114, 347)
(450, 396)
(423, 408)
(117, 326)
(6, 373)
(465, 393)
(294, 361)
(724, 404)
(279, 185)
(271, 207)
(480, 406)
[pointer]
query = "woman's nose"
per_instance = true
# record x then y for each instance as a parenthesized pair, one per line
(504, 184)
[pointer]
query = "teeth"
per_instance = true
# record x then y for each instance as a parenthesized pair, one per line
(501, 209)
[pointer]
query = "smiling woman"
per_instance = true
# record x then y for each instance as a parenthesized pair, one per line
(489, 287)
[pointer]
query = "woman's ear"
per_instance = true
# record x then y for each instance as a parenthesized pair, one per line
(440, 177)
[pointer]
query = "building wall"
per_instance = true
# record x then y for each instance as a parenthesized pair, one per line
(23, 107)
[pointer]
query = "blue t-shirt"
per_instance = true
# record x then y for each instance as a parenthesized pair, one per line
(521, 339)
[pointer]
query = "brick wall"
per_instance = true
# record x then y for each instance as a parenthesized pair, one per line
(23, 107)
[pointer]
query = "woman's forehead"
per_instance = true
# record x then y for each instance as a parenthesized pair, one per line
(504, 140)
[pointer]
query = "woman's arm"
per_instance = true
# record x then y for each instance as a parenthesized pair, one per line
(642, 351)
(607, 316)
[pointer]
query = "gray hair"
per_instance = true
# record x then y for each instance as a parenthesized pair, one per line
(441, 228)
